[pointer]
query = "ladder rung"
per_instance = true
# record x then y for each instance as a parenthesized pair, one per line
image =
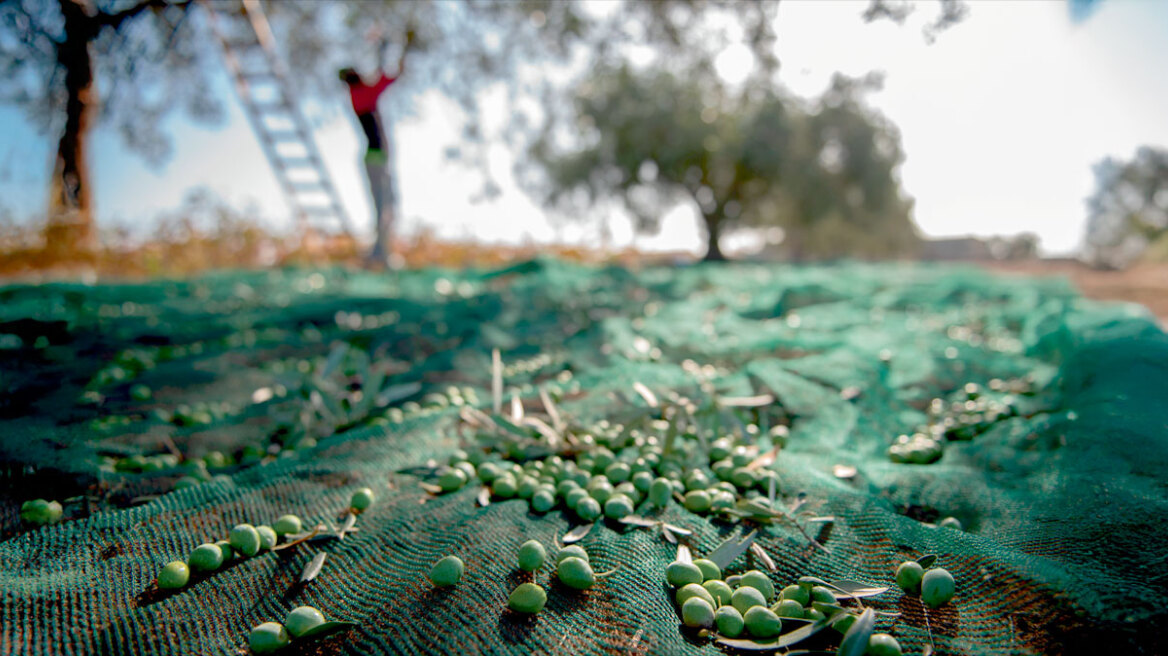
(287, 136)
(298, 162)
(271, 108)
(307, 186)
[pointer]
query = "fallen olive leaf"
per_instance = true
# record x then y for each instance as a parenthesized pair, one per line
(577, 534)
(326, 629)
(313, 568)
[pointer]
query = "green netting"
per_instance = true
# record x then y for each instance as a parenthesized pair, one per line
(1063, 496)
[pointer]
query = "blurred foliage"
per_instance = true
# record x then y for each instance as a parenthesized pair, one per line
(1129, 210)
(148, 59)
(824, 171)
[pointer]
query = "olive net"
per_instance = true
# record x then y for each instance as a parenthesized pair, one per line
(162, 414)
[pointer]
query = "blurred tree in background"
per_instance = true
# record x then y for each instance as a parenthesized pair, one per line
(1127, 216)
(824, 171)
(60, 60)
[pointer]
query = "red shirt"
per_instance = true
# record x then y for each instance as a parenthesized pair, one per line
(365, 96)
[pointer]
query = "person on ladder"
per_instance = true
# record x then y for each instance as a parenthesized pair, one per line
(364, 98)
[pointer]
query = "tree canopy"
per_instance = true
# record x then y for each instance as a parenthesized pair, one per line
(824, 171)
(1129, 209)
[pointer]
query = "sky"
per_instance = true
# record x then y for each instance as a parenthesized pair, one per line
(1001, 120)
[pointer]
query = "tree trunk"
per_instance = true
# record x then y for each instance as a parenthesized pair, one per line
(70, 231)
(713, 232)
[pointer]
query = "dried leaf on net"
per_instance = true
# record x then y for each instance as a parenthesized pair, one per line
(313, 568)
(576, 534)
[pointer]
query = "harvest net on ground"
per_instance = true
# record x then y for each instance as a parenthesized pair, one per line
(163, 414)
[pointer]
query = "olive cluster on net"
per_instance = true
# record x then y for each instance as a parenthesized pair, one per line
(965, 414)
(573, 570)
(615, 472)
(746, 605)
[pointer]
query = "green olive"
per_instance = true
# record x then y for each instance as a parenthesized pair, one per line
(302, 619)
(361, 499)
(571, 551)
(697, 613)
(720, 590)
(908, 576)
(679, 574)
(245, 539)
(543, 501)
(710, 569)
(756, 579)
(531, 556)
(40, 512)
(174, 575)
(882, 644)
(660, 492)
(452, 479)
(761, 622)
(698, 501)
(690, 590)
(267, 537)
(588, 509)
(844, 622)
(504, 486)
(268, 637)
(206, 558)
(729, 621)
(822, 595)
(937, 587)
(618, 506)
(788, 608)
(287, 525)
(527, 598)
(575, 573)
(447, 571)
(745, 598)
(796, 593)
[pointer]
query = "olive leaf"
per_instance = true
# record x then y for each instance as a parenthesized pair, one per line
(576, 534)
(762, 555)
(350, 522)
(430, 488)
(731, 549)
(313, 568)
(326, 629)
(394, 393)
(637, 520)
(746, 401)
(552, 412)
(684, 555)
(855, 589)
(484, 497)
(677, 529)
(516, 409)
(496, 381)
(927, 560)
(855, 641)
(336, 354)
(645, 393)
(668, 534)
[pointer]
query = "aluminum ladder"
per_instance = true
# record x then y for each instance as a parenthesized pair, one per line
(261, 81)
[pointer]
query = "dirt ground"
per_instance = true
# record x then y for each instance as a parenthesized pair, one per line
(1145, 284)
